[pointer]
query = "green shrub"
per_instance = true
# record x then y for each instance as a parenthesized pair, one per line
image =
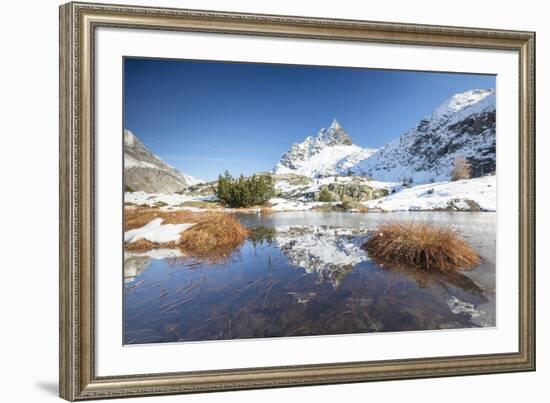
(245, 192)
(325, 195)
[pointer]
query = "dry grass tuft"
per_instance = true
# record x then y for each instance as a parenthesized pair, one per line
(138, 217)
(141, 245)
(423, 246)
(214, 238)
(207, 205)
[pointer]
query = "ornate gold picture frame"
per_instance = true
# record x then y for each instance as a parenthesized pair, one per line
(78, 24)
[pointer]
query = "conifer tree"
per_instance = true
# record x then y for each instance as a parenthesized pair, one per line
(245, 191)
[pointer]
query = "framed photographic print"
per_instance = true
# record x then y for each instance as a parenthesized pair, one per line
(254, 201)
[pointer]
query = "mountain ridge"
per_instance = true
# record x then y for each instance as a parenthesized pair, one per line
(463, 125)
(322, 155)
(144, 171)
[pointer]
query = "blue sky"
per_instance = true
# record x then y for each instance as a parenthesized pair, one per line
(204, 117)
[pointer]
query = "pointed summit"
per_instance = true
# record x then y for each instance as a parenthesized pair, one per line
(322, 155)
(334, 135)
(335, 125)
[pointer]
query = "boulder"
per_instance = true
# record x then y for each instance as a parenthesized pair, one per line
(351, 191)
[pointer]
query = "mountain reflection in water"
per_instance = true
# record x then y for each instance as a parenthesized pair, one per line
(330, 252)
(305, 275)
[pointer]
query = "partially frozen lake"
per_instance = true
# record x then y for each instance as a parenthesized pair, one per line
(307, 276)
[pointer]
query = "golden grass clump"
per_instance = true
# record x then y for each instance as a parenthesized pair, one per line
(422, 246)
(213, 238)
(141, 245)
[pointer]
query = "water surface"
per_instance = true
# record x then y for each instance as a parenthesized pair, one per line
(309, 277)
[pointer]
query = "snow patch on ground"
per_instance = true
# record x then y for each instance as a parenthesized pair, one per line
(171, 200)
(436, 196)
(156, 232)
(278, 204)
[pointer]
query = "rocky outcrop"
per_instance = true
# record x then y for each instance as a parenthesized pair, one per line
(353, 191)
(460, 205)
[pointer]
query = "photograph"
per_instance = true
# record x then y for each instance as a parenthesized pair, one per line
(278, 200)
(263, 199)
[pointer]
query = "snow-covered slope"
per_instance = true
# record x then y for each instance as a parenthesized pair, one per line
(330, 152)
(464, 125)
(144, 171)
(464, 195)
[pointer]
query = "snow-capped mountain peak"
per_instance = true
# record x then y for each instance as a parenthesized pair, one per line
(335, 125)
(334, 135)
(460, 102)
(323, 155)
(462, 126)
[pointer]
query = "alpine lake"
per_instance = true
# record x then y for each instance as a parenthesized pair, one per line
(305, 274)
